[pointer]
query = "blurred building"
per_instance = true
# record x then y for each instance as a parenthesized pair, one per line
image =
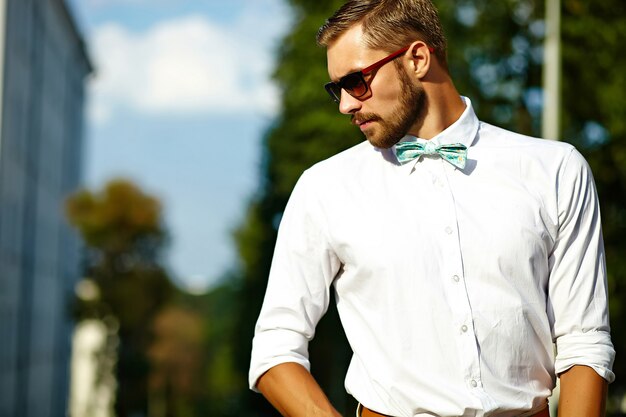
(43, 65)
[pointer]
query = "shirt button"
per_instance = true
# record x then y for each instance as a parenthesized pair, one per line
(449, 230)
(464, 328)
(473, 383)
(456, 278)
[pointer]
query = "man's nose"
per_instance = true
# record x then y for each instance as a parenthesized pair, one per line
(349, 104)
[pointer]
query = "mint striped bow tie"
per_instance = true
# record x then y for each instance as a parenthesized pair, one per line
(455, 153)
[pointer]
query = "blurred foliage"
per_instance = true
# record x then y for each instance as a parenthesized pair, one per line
(495, 57)
(594, 119)
(125, 287)
(176, 355)
(217, 385)
(192, 356)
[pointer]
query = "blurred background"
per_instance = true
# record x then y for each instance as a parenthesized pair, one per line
(147, 151)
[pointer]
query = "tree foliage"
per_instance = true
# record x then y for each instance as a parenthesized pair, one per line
(123, 235)
(594, 97)
(495, 57)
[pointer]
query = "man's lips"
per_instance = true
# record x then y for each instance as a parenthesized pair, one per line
(363, 123)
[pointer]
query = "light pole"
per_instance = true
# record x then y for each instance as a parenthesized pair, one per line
(550, 126)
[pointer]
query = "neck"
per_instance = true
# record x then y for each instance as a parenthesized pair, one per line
(443, 107)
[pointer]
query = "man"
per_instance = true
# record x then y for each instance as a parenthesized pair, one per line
(459, 252)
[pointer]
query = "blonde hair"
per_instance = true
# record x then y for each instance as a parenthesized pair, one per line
(388, 24)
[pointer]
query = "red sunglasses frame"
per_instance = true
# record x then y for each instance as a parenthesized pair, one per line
(334, 88)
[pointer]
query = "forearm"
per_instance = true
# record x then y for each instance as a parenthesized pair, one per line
(583, 393)
(293, 391)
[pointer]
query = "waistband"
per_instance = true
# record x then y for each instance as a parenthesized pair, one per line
(362, 411)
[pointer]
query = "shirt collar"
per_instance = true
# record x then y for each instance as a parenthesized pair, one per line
(463, 131)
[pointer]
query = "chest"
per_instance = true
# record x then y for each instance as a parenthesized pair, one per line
(414, 230)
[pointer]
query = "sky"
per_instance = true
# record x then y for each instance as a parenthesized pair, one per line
(178, 103)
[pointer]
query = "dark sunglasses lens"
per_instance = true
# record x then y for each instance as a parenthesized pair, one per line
(350, 82)
(354, 84)
(334, 91)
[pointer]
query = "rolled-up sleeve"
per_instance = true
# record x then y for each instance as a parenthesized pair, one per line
(578, 301)
(298, 291)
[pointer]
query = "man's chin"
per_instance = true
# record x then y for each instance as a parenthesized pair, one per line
(381, 142)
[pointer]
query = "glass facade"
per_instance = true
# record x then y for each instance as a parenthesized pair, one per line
(43, 67)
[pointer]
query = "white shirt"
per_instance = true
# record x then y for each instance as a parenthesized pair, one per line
(452, 285)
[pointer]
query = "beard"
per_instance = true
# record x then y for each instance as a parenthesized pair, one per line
(407, 113)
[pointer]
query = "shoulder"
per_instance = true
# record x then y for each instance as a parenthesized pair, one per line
(545, 166)
(497, 136)
(329, 180)
(350, 162)
(351, 156)
(346, 173)
(510, 145)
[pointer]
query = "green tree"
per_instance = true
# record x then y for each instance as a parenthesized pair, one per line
(217, 385)
(123, 234)
(495, 57)
(594, 97)
(177, 359)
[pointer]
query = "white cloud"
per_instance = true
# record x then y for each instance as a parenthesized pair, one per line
(108, 3)
(182, 66)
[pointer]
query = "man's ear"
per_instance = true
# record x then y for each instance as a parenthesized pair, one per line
(421, 57)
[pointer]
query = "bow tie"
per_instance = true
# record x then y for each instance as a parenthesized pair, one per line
(455, 153)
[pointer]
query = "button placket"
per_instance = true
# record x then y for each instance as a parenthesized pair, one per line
(459, 298)
(440, 187)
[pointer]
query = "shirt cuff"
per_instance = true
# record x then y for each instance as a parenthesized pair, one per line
(593, 349)
(291, 347)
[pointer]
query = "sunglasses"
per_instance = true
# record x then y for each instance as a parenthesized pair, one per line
(355, 83)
